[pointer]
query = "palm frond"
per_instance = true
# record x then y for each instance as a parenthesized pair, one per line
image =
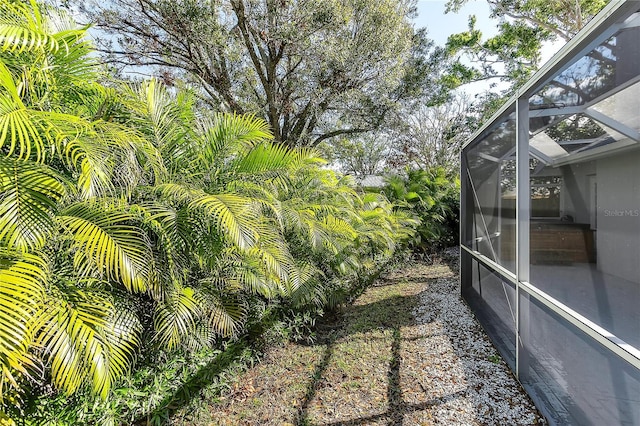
(29, 194)
(225, 315)
(273, 252)
(172, 258)
(120, 336)
(178, 193)
(230, 134)
(269, 157)
(85, 339)
(224, 309)
(302, 284)
(162, 117)
(108, 156)
(47, 52)
(22, 29)
(19, 133)
(249, 273)
(136, 157)
(27, 133)
(338, 232)
(22, 279)
(177, 316)
(166, 121)
(233, 216)
(105, 240)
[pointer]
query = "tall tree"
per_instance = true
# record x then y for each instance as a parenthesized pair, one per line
(358, 156)
(312, 69)
(428, 137)
(559, 18)
(524, 26)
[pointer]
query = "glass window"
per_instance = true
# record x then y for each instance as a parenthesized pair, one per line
(491, 175)
(580, 382)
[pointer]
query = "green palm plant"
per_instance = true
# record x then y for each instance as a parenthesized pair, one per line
(432, 197)
(56, 310)
(123, 194)
(210, 215)
(21, 292)
(84, 337)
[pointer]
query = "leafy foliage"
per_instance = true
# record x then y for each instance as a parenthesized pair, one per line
(524, 26)
(134, 225)
(364, 155)
(312, 70)
(432, 196)
(428, 137)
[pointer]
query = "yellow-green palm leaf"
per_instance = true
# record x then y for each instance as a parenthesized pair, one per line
(21, 291)
(86, 341)
(230, 134)
(19, 133)
(233, 216)
(108, 244)
(178, 316)
(225, 315)
(275, 159)
(27, 133)
(29, 194)
(22, 28)
(121, 336)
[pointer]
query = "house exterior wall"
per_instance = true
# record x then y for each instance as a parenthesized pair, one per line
(575, 190)
(618, 216)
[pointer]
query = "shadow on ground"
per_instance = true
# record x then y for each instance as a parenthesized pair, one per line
(387, 308)
(367, 366)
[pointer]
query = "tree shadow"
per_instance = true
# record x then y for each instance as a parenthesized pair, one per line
(397, 406)
(312, 389)
(388, 313)
(395, 420)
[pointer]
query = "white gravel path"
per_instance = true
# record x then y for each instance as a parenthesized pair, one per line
(466, 375)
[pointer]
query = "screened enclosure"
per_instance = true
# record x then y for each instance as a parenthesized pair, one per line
(550, 226)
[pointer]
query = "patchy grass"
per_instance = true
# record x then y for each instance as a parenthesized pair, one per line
(367, 367)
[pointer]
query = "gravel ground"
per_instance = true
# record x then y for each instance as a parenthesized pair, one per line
(407, 352)
(461, 370)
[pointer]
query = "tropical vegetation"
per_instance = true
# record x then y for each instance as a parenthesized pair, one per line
(432, 197)
(133, 221)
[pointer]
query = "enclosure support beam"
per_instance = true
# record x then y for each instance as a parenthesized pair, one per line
(466, 222)
(522, 234)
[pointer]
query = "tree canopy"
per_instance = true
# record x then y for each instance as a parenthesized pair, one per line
(514, 53)
(312, 69)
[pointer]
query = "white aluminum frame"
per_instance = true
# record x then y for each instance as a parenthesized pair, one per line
(600, 28)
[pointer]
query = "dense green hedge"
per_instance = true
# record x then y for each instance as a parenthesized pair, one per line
(142, 239)
(433, 197)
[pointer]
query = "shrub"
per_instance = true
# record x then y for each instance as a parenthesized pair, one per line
(135, 229)
(432, 197)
